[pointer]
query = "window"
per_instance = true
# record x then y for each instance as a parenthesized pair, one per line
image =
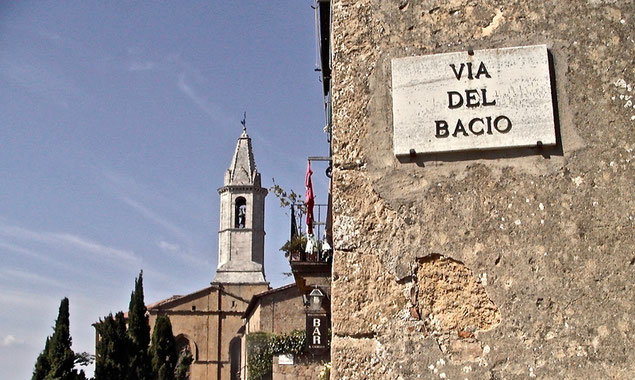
(240, 217)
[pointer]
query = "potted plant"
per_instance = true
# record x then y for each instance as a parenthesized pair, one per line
(294, 248)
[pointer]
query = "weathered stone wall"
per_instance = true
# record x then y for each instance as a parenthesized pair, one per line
(282, 312)
(502, 264)
(303, 368)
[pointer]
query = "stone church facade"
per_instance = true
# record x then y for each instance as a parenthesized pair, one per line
(207, 322)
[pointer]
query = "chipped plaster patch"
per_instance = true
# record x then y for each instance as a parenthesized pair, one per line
(624, 98)
(345, 232)
(496, 21)
(453, 304)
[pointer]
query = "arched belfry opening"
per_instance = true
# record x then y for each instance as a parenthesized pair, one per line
(240, 211)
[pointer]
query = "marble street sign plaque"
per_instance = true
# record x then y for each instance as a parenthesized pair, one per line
(495, 98)
(285, 359)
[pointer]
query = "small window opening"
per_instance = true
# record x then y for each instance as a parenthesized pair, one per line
(241, 213)
(193, 308)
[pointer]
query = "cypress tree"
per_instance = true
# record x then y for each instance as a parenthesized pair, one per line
(122, 344)
(42, 366)
(57, 360)
(112, 349)
(61, 357)
(139, 333)
(163, 349)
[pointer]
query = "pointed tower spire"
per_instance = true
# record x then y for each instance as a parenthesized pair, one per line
(242, 169)
(241, 237)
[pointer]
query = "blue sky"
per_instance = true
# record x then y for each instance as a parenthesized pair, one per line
(117, 123)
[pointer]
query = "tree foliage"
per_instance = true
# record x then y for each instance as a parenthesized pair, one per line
(61, 356)
(124, 352)
(286, 198)
(112, 348)
(57, 361)
(183, 365)
(163, 349)
(42, 366)
(139, 334)
(262, 347)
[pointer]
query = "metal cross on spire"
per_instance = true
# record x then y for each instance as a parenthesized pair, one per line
(244, 121)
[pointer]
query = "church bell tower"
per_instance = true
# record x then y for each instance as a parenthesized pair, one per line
(241, 237)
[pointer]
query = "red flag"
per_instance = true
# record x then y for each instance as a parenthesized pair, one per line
(309, 199)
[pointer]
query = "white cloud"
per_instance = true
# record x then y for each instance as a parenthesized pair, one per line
(169, 247)
(128, 190)
(178, 251)
(35, 301)
(70, 240)
(31, 278)
(141, 66)
(156, 218)
(49, 35)
(137, 196)
(96, 248)
(40, 80)
(9, 340)
(211, 109)
(23, 251)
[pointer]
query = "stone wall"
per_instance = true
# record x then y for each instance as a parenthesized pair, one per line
(496, 264)
(282, 312)
(303, 368)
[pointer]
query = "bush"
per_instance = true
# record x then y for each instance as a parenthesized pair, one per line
(262, 347)
(296, 244)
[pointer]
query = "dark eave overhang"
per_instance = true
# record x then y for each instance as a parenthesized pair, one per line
(323, 9)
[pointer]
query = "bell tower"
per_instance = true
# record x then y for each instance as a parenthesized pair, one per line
(241, 237)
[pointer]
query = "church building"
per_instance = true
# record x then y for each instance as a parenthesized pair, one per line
(207, 322)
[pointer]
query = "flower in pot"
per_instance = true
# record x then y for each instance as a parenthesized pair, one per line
(294, 248)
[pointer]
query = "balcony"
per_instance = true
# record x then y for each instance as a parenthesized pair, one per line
(310, 257)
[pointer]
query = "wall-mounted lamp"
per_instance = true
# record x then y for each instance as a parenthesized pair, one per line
(315, 299)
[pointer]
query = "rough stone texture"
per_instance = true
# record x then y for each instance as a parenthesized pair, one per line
(303, 368)
(548, 234)
(278, 311)
(453, 305)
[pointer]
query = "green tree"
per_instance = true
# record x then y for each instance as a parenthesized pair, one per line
(112, 348)
(57, 360)
(139, 334)
(60, 355)
(42, 366)
(163, 349)
(183, 365)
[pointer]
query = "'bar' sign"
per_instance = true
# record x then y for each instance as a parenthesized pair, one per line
(317, 332)
(485, 99)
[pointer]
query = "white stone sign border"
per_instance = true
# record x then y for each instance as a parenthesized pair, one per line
(490, 99)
